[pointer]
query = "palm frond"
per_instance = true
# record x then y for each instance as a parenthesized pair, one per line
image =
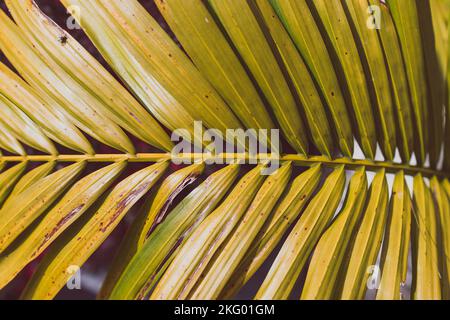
(85, 143)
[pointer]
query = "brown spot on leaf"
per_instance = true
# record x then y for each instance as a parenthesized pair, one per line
(162, 213)
(122, 205)
(63, 40)
(60, 224)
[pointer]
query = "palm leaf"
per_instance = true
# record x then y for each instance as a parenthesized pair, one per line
(406, 19)
(426, 284)
(300, 24)
(300, 243)
(337, 28)
(399, 83)
(83, 141)
(330, 250)
(368, 240)
(396, 242)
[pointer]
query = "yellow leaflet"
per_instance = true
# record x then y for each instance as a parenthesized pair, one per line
(338, 32)
(377, 76)
(285, 214)
(144, 269)
(394, 257)
(25, 207)
(215, 58)
(87, 77)
(23, 127)
(443, 208)
(168, 191)
(301, 78)
(76, 246)
(405, 16)
(426, 266)
(299, 22)
(45, 76)
(195, 254)
(9, 142)
(242, 27)
(293, 255)
(30, 178)
(43, 111)
(7, 182)
(363, 255)
(154, 211)
(215, 277)
(399, 81)
(329, 253)
(74, 203)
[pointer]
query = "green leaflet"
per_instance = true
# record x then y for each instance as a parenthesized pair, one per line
(338, 32)
(394, 257)
(215, 58)
(25, 207)
(129, 61)
(446, 186)
(198, 250)
(447, 119)
(87, 78)
(285, 214)
(440, 11)
(329, 252)
(300, 24)
(447, 144)
(399, 81)
(434, 79)
(443, 208)
(138, 278)
(364, 253)
(300, 76)
(125, 26)
(293, 255)
(186, 83)
(377, 77)
(153, 213)
(127, 249)
(217, 274)
(81, 241)
(242, 27)
(405, 16)
(74, 203)
(426, 284)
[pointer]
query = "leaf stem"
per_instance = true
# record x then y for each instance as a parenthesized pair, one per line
(299, 160)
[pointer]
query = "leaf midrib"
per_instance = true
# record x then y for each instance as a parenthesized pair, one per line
(297, 159)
